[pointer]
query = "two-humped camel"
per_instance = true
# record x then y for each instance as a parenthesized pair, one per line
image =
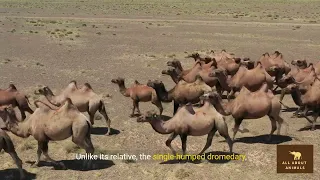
(251, 105)
(84, 98)
(12, 96)
(138, 93)
(7, 145)
(47, 124)
(190, 121)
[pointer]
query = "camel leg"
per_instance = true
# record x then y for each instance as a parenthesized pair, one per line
(88, 146)
(102, 111)
(29, 110)
(45, 148)
(304, 113)
(169, 140)
(23, 114)
(134, 108)
(18, 162)
(275, 89)
(236, 127)
(223, 131)
(137, 106)
(273, 127)
(175, 107)
(183, 138)
(209, 140)
(283, 93)
(280, 122)
(231, 93)
(159, 105)
(91, 116)
(39, 152)
(315, 117)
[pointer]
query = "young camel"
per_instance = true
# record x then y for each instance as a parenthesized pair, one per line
(251, 105)
(84, 98)
(182, 93)
(47, 124)
(12, 96)
(138, 93)
(7, 145)
(190, 121)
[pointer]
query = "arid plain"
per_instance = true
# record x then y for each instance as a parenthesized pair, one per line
(53, 42)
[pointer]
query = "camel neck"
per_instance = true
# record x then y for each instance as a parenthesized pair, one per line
(20, 129)
(164, 95)
(174, 77)
(223, 108)
(159, 126)
(123, 89)
(296, 96)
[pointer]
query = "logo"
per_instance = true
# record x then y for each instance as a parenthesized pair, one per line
(294, 158)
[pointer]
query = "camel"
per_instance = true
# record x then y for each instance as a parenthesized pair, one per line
(47, 124)
(310, 100)
(303, 78)
(190, 121)
(12, 96)
(251, 79)
(182, 93)
(172, 73)
(7, 145)
(138, 93)
(196, 57)
(275, 60)
(84, 98)
(251, 105)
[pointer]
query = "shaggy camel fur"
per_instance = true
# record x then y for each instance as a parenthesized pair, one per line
(84, 98)
(190, 121)
(309, 100)
(182, 93)
(7, 145)
(47, 124)
(12, 96)
(252, 79)
(251, 105)
(138, 93)
(172, 73)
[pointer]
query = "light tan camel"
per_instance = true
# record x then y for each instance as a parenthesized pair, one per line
(190, 121)
(84, 98)
(138, 93)
(251, 105)
(7, 145)
(47, 124)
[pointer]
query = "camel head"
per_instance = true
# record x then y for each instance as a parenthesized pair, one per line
(194, 56)
(174, 63)
(148, 116)
(45, 91)
(119, 80)
(169, 71)
(212, 97)
(7, 113)
(300, 63)
(218, 72)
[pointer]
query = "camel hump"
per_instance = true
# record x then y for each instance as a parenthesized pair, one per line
(223, 50)
(190, 109)
(69, 105)
(137, 82)
(12, 87)
(87, 85)
(73, 82)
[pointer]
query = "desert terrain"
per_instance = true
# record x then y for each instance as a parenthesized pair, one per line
(53, 42)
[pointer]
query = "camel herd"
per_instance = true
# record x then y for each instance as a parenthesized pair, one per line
(199, 104)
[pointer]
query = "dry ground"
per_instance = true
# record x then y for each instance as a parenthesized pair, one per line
(54, 42)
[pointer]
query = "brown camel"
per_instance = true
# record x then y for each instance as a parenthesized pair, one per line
(252, 79)
(12, 96)
(7, 145)
(190, 121)
(47, 124)
(84, 98)
(310, 100)
(172, 73)
(182, 93)
(251, 105)
(138, 93)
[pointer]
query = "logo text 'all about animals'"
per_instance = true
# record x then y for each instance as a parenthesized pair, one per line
(296, 163)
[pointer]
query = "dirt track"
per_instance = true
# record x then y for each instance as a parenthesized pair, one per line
(43, 46)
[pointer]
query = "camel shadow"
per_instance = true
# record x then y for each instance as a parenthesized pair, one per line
(12, 174)
(308, 127)
(275, 139)
(76, 165)
(103, 131)
(215, 157)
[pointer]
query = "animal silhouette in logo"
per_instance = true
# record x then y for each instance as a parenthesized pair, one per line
(297, 155)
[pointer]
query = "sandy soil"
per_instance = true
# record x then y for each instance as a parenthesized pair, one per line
(51, 43)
